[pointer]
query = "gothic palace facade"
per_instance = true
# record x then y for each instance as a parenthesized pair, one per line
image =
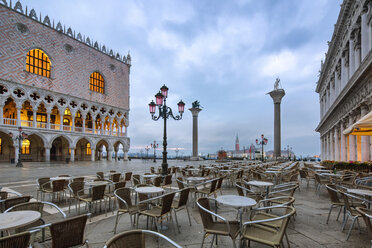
(345, 84)
(69, 94)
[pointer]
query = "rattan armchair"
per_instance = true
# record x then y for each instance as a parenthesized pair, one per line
(34, 206)
(54, 187)
(167, 181)
(245, 191)
(100, 175)
(350, 212)
(219, 227)
(157, 181)
(19, 240)
(335, 200)
(10, 202)
(43, 186)
(136, 179)
(97, 195)
(158, 213)
(128, 176)
(136, 238)
(207, 191)
(115, 177)
(75, 187)
(367, 217)
(66, 233)
(124, 201)
(181, 203)
(268, 231)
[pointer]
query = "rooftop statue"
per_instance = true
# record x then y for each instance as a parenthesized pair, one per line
(276, 85)
(196, 104)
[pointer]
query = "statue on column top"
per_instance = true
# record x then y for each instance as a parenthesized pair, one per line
(276, 84)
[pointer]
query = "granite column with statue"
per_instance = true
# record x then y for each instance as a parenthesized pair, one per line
(277, 94)
(195, 113)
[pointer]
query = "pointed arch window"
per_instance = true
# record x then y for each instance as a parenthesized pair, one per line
(96, 82)
(26, 146)
(38, 62)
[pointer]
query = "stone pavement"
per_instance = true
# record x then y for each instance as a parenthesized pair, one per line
(307, 230)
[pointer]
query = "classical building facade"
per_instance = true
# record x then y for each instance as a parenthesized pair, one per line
(345, 84)
(69, 94)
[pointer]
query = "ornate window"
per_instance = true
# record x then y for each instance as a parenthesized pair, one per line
(96, 82)
(38, 62)
(26, 146)
(89, 150)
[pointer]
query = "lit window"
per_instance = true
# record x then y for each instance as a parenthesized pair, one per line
(67, 112)
(1, 146)
(66, 122)
(96, 82)
(38, 62)
(26, 146)
(89, 150)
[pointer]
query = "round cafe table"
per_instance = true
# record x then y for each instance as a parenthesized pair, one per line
(60, 178)
(195, 179)
(236, 201)
(363, 192)
(16, 219)
(149, 190)
(261, 184)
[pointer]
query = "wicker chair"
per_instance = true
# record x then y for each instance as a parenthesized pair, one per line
(66, 233)
(97, 194)
(181, 203)
(207, 191)
(78, 179)
(19, 240)
(44, 186)
(125, 205)
(128, 176)
(219, 185)
(115, 177)
(75, 188)
(159, 213)
(350, 212)
(157, 181)
(180, 183)
(136, 179)
(34, 206)
(221, 227)
(3, 195)
(136, 238)
(100, 175)
(57, 187)
(10, 202)
(367, 217)
(248, 192)
(335, 200)
(167, 181)
(320, 181)
(268, 231)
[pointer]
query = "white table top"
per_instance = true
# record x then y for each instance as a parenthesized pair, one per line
(360, 192)
(272, 172)
(260, 183)
(331, 175)
(195, 179)
(193, 169)
(17, 219)
(149, 190)
(149, 175)
(97, 183)
(225, 170)
(236, 201)
(60, 178)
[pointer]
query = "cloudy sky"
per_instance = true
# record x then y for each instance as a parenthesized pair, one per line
(226, 54)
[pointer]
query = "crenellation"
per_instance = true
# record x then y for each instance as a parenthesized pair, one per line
(70, 33)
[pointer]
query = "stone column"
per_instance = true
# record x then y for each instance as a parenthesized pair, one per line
(93, 125)
(337, 145)
(1, 114)
(277, 96)
(109, 154)
(116, 153)
(195, 113)
(34, 116)
(322, 148)
(365, 139)
(343, 144)
(73, 123)
(125, 155)
(19, 108)
(72, 154)
(47, 154)
(364, 33)
(352, 143)
(93, 155)
(83, 118)
(61, 120)
(351, 56)
(326, 146)
(48, 118)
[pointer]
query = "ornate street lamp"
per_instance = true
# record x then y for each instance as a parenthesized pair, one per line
(20, 137)
(262, 143)
(147, 148)
(164, 112)
(154, 146)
